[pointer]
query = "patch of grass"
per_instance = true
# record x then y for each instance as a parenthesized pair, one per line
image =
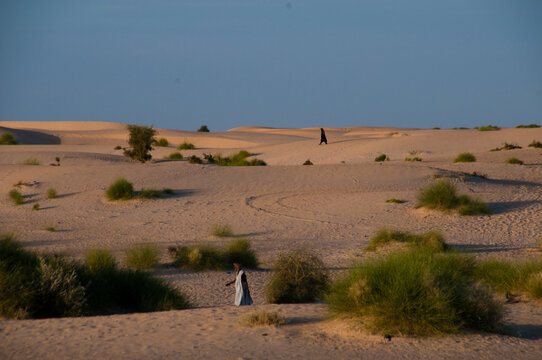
(175, 156)
(465, 157)
(506, 146)
(382, 157)
(467, 206)
(16, 197)
(221, 230)
(487, 128)
(121, 189)
(416, 293)
(141, 139)
(298, 276)
(395, 201)
(168, 191)
(143, 256)
(262, 318)
(431, 240)
(7, 139)
(413, 159)
(195, 160)
(31, 161)
(536, 144)
(162, 142)
(150, 194)
(534, 285)
(238, 159)
(513, 161)
(460, 128)
(51, 193)
(50, 228)
(36, 207)
(308, 162)
(442, 195)
(100, 260)
(530, 126)
(203, 128)
(240, 251)
(118, 147)
(186, 146)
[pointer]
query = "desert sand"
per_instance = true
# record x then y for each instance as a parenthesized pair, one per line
(333, 208)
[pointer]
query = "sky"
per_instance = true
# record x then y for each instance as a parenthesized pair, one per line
(180, 64)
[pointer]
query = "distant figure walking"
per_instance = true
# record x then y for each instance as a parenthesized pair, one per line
(242, 293)
(323, 138)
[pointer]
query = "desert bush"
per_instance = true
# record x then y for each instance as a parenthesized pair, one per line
(100, 260)
(186, 146)
(240, 251)
(416, 293)
(506, 146)
(121, 189)
(308, 162)
(168, 191)
(442, 195)
(140, 142)
(238, 159)
(162, 142)
(465, 157)
(51, 193)
(534, 285)
(536, 144)
(467, 206)
(221, 230)
(487, 128)
(118, 147)
(36, 207)
(413, 159)
(394, 201)
(203, 128)
(7, 139)
(16, 197)
(263, 318)
(530, 126)
(50, 228)
(31, 161)
(175, 156)
(460, 128)
(436, 128)
(431, 240)
(195, 160)
(508, 276)
(298, 276)
(143, 256)
(382, 157)
(150, 194)
(513, 161)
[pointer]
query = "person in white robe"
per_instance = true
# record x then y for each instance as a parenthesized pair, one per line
(242, 292)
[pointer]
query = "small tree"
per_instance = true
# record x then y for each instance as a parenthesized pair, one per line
(141, 140)
(203, 128)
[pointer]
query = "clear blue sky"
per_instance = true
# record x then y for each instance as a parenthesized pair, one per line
(226, 63)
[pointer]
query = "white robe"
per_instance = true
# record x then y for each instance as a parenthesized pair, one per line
(242, 297)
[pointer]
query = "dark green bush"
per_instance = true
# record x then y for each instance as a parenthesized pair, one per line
(175, 156)
(487, 128)
(530, 126)
(195, 160)
(238, 159)
(298, 276)
(186, 146)
(413, 159)
(240, 251)
(140, 142)
(121, 189)
(118, 147)
(465, 157)
(7, 139)
(308, 162)
(382, 157)
(36, 207)
(442, 195)
(100, 259)
(51, 193)
(16, 197)
(507, 146)
(203, 128)
(431, 240)
(143, 256)
(150, 194)
(394, 201)
(536, 144)
(162, 142)
(513, 161)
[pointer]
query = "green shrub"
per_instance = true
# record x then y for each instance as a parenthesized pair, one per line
(534, 285)
(175, 156)
(506, 146)
(186, 146)
(195, 160)
(513, 161)
(16, 197)
(487, 128)
(221, 230)
(118, 147)
(121, 189)
(431, 240)
(143, 256)
(298, 276)
(240, 251)
(413, 159)
(467, 206)
(203, 128)
(465, 157)
(50, 228)
(530, 126)
(31, 161)
(150, 194)
(460, 128)
(140, 142)
(416, 293)
(263, 318)
(508, 276)
(436, 128)
(7, 139)
(51, 193)
(238, 159)
(382, 157)
(440, 195)
(168, 191)
(394, 201)
(100, 260)
(536, 144)
(308, 162)
(36, 207)
(162, 142)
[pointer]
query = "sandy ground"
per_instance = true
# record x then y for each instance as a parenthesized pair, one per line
(333, 207)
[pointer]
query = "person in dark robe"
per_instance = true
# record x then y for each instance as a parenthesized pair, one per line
(323, 138)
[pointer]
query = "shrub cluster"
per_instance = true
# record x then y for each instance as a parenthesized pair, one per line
(195, 160)
(530, 126)
(142, 256)
(465, 157)
(415, 158)
(263, 318)
(536, 144)
(382, 157)
(186, 146)
(431, 240)
(204, 257)
(175, 156)
(51, 193)
(16, 197)
(506, 146)
(121, 189)
(308, 162)
(513, 161)
(238, 159)
(7, 139)
(162, 142)
(221, 230)
(394, 201)
(140, 141)
(203, 128)
(487, 128)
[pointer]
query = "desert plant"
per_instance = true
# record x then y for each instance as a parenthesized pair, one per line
(118, 147)
(431, 240)
(238, 159)
(468, 206)
(534, 285)
(416, 293)
(263, 318)
(536, 144)
(530, 126)
(195, 160)
(31, 161)
(308, 162)
(7, 139)
(487, 128)
(506, 146)
(240, 251)
(16, 197)
(298, 276)
(50, 228)
(413, 159)
(121, 189)
(221, 230)
(465, 157)
(51, 193)
(150, 194)
(140, 142)
(203, 128)
(436, 128)
(513, 161)
(36, 207)
(395, 201)
(186, 146)
(460, 128)
(168, 191)
(100, 260)
(162, 142)
(142, 256)
(442, 195)
(175, 156)
(382, 157)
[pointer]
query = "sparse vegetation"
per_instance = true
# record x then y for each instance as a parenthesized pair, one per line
(442, 195)
(308, 162)
(195, 160)
(168, 191)
(36, 207)
(513, 161)
(487, 128)
(150, 194)
(203, 128)
(16, 197)
(460, 128)
(7, 139)
(31, 161)
(50, 228)
(143, 256)
(530, 126)
(175, 156)
(221, 230)
(436, 128)
(162, 142)
(121, 189)
(140, 142)
(118, 147)
(51, 193)
(413, 159)
(465, 157)
(238, 159)
(382, 157)
(431, 240)
(506, 146)
(395, 201)
(186, 146)
(536, 144)
(298, 276)
(416, 292)
(100, 260)
(263, 318)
